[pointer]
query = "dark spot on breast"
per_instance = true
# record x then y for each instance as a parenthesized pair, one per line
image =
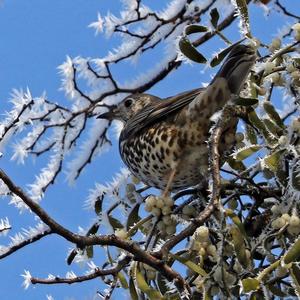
(164, 137)
(185, 135)
(171, 141)
(159, 130)
(134, 169)
(175, 155)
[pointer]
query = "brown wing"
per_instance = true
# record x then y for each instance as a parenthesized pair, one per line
(156, 111)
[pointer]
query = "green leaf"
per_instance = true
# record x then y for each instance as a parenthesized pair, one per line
(214, 17)
(295, 274)
(218, 58)
(251, 134)
(93, 229)
(250, 284)
(272, 127)
(110, 259)
(272, 161)
(133, 217)
(190, 51)
(243, 11)
(114, 222)
(239, 246)
(293, 253)
(191, 265)
(221, 55)
(98, 204)
(236, 220)
(245, 101)
(256, 121)
(235, 164)
(206, 296)
(90, 251)
(71, 256)
(132, 290)
(246, 152)
(194, 29)
(281, 173)
(272, 113)
(123, 280)
(144, 287)
(259, 124)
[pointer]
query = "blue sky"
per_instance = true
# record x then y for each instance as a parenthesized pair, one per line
(36, 36)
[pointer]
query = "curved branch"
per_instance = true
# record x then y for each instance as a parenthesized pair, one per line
(97, 273)
(107, 240)
(24, 243)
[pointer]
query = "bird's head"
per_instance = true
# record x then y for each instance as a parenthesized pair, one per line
(127, 108)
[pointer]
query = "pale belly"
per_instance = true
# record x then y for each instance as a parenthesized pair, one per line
(154, 155)
(159, 150)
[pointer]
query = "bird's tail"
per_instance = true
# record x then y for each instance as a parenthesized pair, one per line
(229, 80)
(236, 67)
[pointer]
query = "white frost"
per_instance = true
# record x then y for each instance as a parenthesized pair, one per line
(27, 279)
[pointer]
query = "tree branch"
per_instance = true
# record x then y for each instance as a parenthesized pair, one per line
(107, 240)
(96, 273)
(24, 243)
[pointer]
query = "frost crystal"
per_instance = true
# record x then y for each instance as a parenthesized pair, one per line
(91, 266)
(90, 148)
(4, 226)
(98, 25)
(27, 234)
(111, 189)
(67, 71)
(27, 279)
(70, 275)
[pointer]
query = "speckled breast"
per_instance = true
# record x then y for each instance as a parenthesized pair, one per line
(155, 151)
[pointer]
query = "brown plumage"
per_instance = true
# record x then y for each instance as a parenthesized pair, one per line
(163, 138)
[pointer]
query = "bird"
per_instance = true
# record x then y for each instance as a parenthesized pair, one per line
(164, 141)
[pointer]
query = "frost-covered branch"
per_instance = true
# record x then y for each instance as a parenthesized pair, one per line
(83, 241)
(72, 278)
(23, 239)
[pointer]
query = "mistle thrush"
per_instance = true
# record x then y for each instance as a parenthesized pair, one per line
(168, 138)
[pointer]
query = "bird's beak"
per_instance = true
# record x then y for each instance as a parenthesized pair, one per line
(110, 114)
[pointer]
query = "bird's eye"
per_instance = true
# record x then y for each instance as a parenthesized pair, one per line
(128, 103)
